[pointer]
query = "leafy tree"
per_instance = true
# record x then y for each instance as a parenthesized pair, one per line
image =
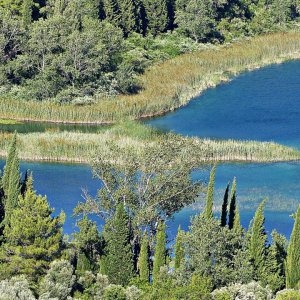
(114, 292)
(293, 255)
(58, 282)
(196, 18)
(232, 205)
(210, 195)
(143, 263)
(153, 182)
(33, 239)
(119, 258)
(179, 249)
(160, 251)
(225, 206)
(258, 241)
(88, 244)
(27, 13)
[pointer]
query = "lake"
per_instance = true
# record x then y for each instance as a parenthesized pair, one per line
(261, 105)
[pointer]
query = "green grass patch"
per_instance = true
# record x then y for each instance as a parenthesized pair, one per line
(9, 122)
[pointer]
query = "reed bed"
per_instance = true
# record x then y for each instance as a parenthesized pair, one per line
(81, 147)
(168, 85)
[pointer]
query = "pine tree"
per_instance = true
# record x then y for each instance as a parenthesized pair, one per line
(14, 190)
(126, 16)
(12, 153)
(258, 241)
(232, 206)
(292, 264)
(157, 16)
(179, 250)
(160, 251)
(224, 207)
(143, 263)
(118, 261)
(27, 13)
(33, 239)
(210, 194)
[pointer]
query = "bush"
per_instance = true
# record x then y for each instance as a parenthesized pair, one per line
(288, 295)
(16, 288)
(250, 291)
(58, 282)
(114, 292)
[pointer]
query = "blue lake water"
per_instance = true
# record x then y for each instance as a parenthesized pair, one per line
(262, 105)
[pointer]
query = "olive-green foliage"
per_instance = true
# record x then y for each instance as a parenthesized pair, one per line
(114, 292)
(210, 195)
(179, 249)
(118, 260)
(258, 242)
(288, 295)
(31, 242)
(143, 262)
(293, 256)
(58, 282)
(160, 251)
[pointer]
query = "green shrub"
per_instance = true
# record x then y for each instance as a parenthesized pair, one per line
(114, 292)
(288, 295)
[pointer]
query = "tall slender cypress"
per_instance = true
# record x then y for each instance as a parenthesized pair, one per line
(118, 262)
(237, 220)
(27, 13)
(160, 251)
(225, 206)
(210, 194)
(143, 262)
(292, 264)
(179, 250)
(12, 153)
(258, 242)
(232, 205)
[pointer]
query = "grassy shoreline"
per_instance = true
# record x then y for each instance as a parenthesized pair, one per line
(76, 147)
(166, 86)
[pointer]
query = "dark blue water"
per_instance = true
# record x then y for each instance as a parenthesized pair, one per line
(261, 105)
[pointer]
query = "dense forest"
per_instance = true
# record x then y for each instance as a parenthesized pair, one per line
(83, 51)
(131, 258)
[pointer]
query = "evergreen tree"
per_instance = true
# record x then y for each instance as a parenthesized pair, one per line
(126, 16)
(143, 263)
(14, 190)
(156, 15)
(88, 245)
(225, 206)
(118, 261)
(258, 241)
(33, 239)
(232, 206)
(160, 251)
(210, 194)
(27, 13)
(179, 250)
(12, 153)
(292, 265)
(237, 220)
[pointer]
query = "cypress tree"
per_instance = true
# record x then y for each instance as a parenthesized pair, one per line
(143, 263)
(258, 241)
(224, 206)
(179, 250)
(33, 239)
(160, 251)
(12, 153)
(118, 262)
(210, 194)
(27, 13)
(237, 220)
(232, 206)
(14, 190)
(292, 264)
